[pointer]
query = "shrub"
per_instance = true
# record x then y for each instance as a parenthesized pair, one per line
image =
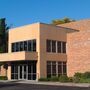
(86, 75)
(44, 79)
(54, 78)
(63, 78)
(70, 79)
(78, 75)
(83, 80)
(76, 79)
(3, 78)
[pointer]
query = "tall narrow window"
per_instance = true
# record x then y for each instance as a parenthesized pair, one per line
(48, 45)
(29, 45)
(34, 45)
(64, 68)
(60, 68)
(25, 45)
(64, 47)
(53, 68)
(49, 71)
(21, 46)
(59, 47)
(17, 47)
(53, 46)
(13, 47)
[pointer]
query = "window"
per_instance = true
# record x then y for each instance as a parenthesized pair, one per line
(59, 47)
(48, 45)
(64, 68)
(17, 47)
(34, 45)
(49, 69)
(53, 46)
(59, 68)
(13, 47)
(53, 68)
(63, 47)
(25, 46)
(56, 68)
(29, 45)
(21, 46)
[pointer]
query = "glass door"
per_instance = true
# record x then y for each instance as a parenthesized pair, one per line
(22, 69)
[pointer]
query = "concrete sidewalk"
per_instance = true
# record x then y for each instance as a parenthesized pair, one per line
(48, 83)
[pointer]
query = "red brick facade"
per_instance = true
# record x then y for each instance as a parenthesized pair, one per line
(78, 52)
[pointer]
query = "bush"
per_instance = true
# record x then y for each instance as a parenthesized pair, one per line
(63, 78)
(3, 78)
(54, 78)
(76, 79)
(83, 80)
(44, 79)
(86, 75)
(70, 79)
(78, 75)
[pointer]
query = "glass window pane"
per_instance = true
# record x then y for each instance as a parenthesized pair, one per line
(12, 69)
(34, 45)
(12, 76)
(64, 68)
(48, 45)
(53, 46)
(29, 45)
(48, 69)
(17, 46)
(16, 69)
(48, 62)
(59, 47)
(53, 69)
(21, 46)
(25, 45)
(64, 47)
(60, 69)
(13, 47)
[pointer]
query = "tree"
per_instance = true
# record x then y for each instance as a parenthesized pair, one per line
(62, 21)
(3, 36)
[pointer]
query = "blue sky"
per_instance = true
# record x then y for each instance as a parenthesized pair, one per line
(22, 12)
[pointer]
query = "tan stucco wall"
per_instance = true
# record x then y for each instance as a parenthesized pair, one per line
(40, 32)
(28, 32)
(24, 33)
(53, 33)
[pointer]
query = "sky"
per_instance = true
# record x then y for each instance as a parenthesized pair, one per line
(23, 12)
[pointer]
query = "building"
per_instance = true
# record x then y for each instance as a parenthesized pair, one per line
(42, 50)
(78, 47)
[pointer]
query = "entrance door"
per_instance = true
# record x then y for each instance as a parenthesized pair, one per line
(22, 69)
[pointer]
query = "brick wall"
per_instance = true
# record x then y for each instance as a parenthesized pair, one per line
(78, 52)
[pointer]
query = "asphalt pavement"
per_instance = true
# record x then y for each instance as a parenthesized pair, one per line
(23, 86)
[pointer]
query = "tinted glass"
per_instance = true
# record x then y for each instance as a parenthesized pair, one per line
(25, 45)
(53, 46)
(21, 46)
(34, 45)
(48, 45)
